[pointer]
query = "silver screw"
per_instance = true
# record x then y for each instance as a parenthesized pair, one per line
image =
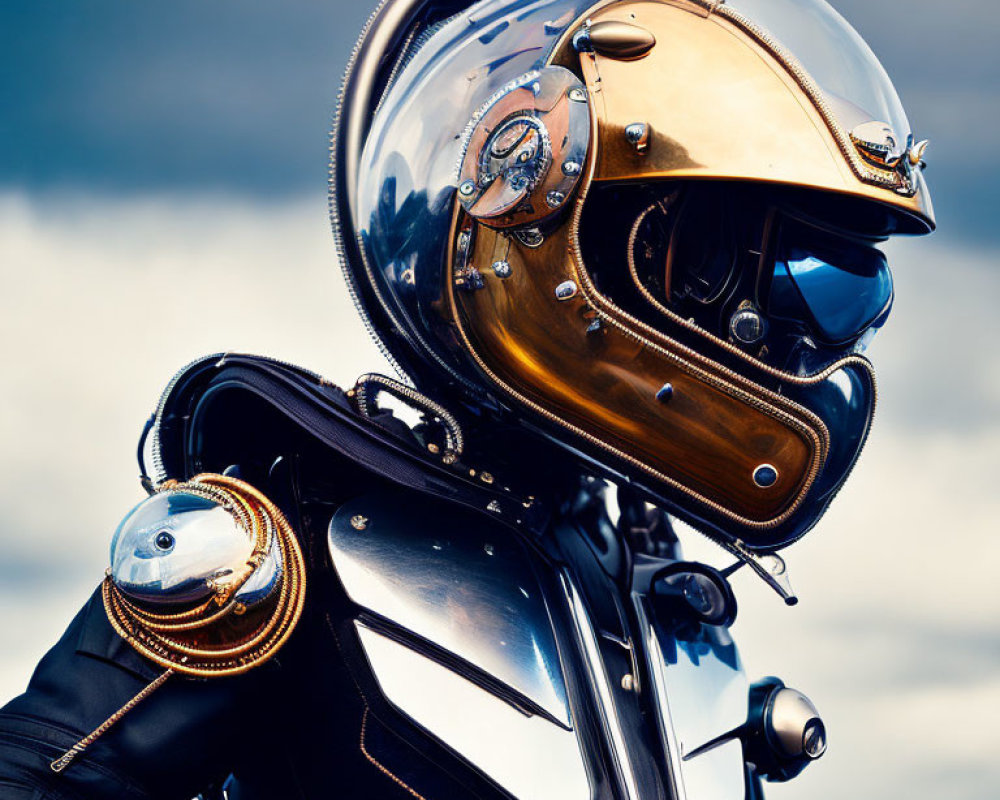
(502, 269)
(637, 135)
(359, 522)
(566, 290)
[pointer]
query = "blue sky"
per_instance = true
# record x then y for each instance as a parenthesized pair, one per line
(162, 182)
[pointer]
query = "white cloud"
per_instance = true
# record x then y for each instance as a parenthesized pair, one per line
(898, 631)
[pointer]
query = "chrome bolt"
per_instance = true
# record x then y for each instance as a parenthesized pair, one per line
(530, 237)
(466, 188)
(765, 476)
(473, 281)
(566, 290)
(578, 95)
(555, 198)
(359, 522)
(637, 135)
(628, 682)
(502, 268)
(571, 168)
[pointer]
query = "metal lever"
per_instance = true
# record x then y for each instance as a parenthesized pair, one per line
(770, 567)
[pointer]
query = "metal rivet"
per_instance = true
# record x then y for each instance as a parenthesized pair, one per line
(466, 188)
(628, 682)
(637, 135)
(581, 40)
(502, 268)
(164, 540)
(488, 549)
(449, 457)
(493, 506)
(359, 522)
(555, 198)
(472, 281)
(486, 477)
(765, 476)
(566, 290)
(665, 393)
(530, 237)
(571, 168)
(433, 448)
(578, 95)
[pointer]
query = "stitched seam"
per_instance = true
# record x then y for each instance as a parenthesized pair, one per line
(380, 767)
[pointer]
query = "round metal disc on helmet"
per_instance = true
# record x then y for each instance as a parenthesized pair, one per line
(525, 149)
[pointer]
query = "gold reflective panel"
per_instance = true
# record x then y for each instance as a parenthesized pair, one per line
(719, 103)
(705, 436)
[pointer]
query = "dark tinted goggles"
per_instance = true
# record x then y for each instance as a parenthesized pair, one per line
(839, 285)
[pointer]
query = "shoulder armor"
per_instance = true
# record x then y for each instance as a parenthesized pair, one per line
(206, 577)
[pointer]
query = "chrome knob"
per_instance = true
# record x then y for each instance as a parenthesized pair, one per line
(747, 326)
(794, 723)
(784, 732)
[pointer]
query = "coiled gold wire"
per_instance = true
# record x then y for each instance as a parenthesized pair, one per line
(220, 636)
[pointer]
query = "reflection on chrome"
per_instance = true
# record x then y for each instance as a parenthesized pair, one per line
(600, 683)
(172, 544)
(458, 582)
(530, 757)
(700, 697)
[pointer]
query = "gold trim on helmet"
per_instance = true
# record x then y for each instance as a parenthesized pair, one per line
(722, 100)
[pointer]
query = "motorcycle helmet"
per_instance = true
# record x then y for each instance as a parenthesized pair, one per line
(647, 230)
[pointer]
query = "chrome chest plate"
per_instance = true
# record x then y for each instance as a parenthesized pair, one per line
(700, 693)
(456, 629)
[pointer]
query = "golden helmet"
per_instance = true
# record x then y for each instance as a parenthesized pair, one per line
(645, 229)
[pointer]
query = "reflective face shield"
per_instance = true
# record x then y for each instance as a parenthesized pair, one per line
(840, 287)
(759, 273)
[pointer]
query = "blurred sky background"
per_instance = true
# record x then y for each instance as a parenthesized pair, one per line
(162, 195)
